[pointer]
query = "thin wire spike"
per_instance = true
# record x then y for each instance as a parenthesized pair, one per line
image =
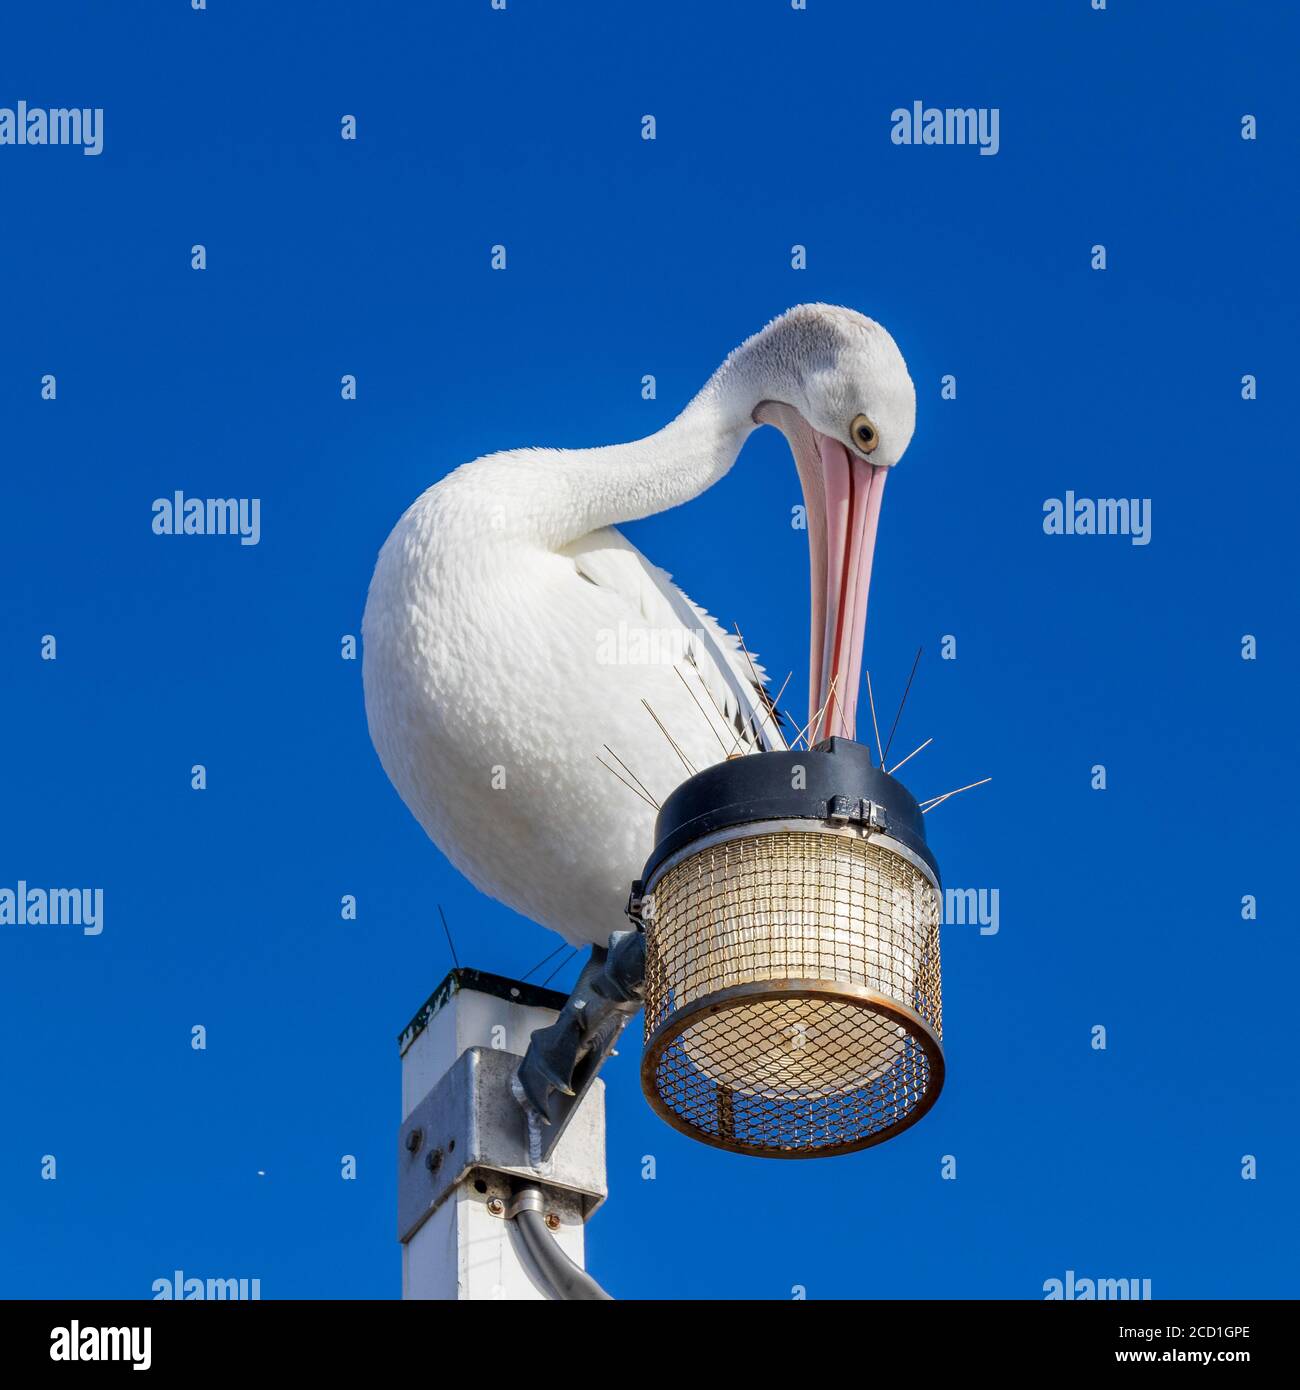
(755, 733)
(889, 742)
(650, 796)
(910, 756)
(550, 955)
(936, 800)
(625, 782)
(826, 709)
(770, 704)
(753, 670)
(559, 967)
(685, 761)
(703, 711)
(759, 687)
(807, 727)
(775, 712)
(777, 698)
(815, 723)
(704, 686)
(835, 696)
(944, 795)
(822, 712)
(830, 695)
(455, 960)
(871, 700)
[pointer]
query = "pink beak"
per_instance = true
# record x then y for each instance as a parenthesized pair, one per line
(842, 495)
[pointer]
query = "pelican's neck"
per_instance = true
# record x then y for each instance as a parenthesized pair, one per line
(586, 489)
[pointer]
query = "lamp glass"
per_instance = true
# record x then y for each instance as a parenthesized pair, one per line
(796, 905)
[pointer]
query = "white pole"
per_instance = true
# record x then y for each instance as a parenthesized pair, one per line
(463, 1145)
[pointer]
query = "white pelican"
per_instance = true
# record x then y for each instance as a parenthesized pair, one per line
(512, 636)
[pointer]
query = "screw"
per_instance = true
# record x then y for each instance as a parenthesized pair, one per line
(413, 1141)
(496, 1207)
(552, 1222)
(433, 1160)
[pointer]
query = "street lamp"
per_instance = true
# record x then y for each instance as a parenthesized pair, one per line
(791, 908)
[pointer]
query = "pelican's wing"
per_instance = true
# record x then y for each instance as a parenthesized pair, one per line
(714, 657)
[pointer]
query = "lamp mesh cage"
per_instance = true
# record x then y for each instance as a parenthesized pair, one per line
(792, 999)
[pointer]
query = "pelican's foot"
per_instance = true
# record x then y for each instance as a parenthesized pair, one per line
(565, 1056)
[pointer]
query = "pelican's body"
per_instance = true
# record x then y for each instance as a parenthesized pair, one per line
(513, 636)
(496, 676)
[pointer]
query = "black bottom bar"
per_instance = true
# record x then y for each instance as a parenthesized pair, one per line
(1046, 1339)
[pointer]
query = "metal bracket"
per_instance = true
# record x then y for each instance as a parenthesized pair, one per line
(857, 810)
(561, 1109)
(608, 993)
(470, 1122)
(640, 905)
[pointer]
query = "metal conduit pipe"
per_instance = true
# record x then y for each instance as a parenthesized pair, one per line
(566, 1279)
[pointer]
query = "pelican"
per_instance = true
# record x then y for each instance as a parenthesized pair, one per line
(515, 640)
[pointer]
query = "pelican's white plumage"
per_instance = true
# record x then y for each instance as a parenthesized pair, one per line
(511, 633)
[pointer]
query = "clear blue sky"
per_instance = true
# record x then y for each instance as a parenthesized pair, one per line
(1119, 907)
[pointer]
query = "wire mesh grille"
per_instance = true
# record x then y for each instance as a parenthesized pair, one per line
(793, 996)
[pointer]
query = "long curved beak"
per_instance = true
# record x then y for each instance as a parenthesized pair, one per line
(842, 495)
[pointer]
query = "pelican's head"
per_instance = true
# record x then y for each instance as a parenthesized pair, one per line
(845, 376)
(835, 384)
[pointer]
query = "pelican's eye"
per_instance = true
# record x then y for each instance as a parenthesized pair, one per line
(864, 435)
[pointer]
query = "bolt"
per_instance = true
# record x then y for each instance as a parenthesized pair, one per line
(496, 1207)
(413, 1141)
(552, 1222)
(433, 1160)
